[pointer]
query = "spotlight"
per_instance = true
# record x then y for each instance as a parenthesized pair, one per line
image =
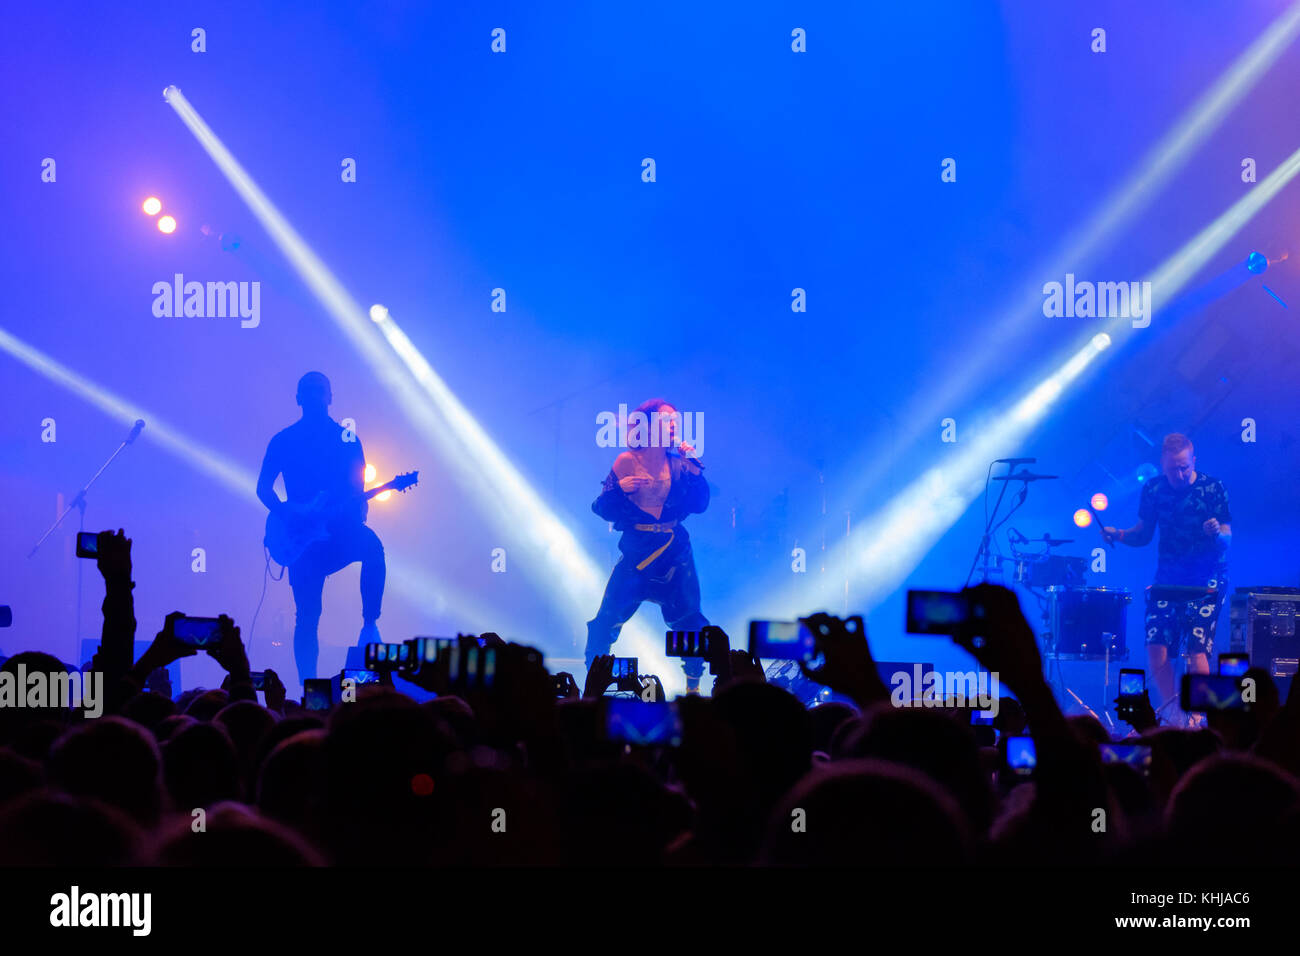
(167, 224)
(1082, 518)
(378, 313)
(1101, 341)
(152, 206)
(1145, 472)
(1100, 501)
(370, 473)
(383, 496)
(1256, 263)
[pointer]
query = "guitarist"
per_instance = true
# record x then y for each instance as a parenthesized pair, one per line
(318, 455)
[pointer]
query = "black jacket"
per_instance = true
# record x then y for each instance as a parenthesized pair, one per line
(688, 494)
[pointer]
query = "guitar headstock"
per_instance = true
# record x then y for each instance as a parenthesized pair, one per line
(404, 481)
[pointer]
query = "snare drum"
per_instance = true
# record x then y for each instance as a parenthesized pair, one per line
(1090, 624)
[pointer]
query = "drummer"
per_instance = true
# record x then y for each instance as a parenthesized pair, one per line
(1191, 510)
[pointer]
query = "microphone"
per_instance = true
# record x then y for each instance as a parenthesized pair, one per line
(677, 450)
(1025, 476)
(1015, 461)
(135, 430)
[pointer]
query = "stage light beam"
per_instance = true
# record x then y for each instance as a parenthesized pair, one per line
(552, 553)
(423, 591)
(896, 539)
(1175, 148)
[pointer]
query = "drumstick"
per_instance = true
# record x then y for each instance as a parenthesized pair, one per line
(1101, 526)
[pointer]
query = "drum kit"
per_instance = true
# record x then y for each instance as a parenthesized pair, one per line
(1080, 623)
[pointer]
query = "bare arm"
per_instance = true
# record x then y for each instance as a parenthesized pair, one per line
(625, 470)
(1137, 536)
(266, 481)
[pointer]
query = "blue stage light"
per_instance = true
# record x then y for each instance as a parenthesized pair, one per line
(1256, 262)
(1145, 471)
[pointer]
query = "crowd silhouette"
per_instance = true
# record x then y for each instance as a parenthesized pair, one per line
(519, 771)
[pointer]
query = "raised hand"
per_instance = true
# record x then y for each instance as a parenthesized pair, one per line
(113, 555)
(230, 653)
(599, 676)
(655, 685)
(275, 691)
(1141, 716)
(743, 664)
(1002, 639)
(718, 656)
(571, 691)
(848, 665)
(165, 649)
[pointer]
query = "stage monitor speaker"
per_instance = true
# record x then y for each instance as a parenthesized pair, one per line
(1264, 626)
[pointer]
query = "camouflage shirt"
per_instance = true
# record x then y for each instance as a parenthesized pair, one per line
(1187, 554)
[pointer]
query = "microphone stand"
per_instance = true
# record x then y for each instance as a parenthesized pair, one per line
(79, 502)
(985, 550)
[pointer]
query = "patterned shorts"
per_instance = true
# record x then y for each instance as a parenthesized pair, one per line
(1169, 622)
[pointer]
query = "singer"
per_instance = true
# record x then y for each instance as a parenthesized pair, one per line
(650, 490)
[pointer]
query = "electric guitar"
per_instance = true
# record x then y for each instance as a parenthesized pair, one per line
(292, 532)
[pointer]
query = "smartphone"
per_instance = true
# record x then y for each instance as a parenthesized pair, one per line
(625, 674)
(259, 680)
(428, 649)
(358, 676)
(641, 723)
(387, 657)
(473, 668)
(1202, 693)
(317, 693)
(200, 632)
(1022, 756)
(941, 612)
(560, 685)
(87, 544)
(1132, 682)
(1132, 685)
(686, 644)
(782, 641)
(1137, 756)
(1234, 665)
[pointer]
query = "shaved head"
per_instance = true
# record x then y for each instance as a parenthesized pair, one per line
(314, 390)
